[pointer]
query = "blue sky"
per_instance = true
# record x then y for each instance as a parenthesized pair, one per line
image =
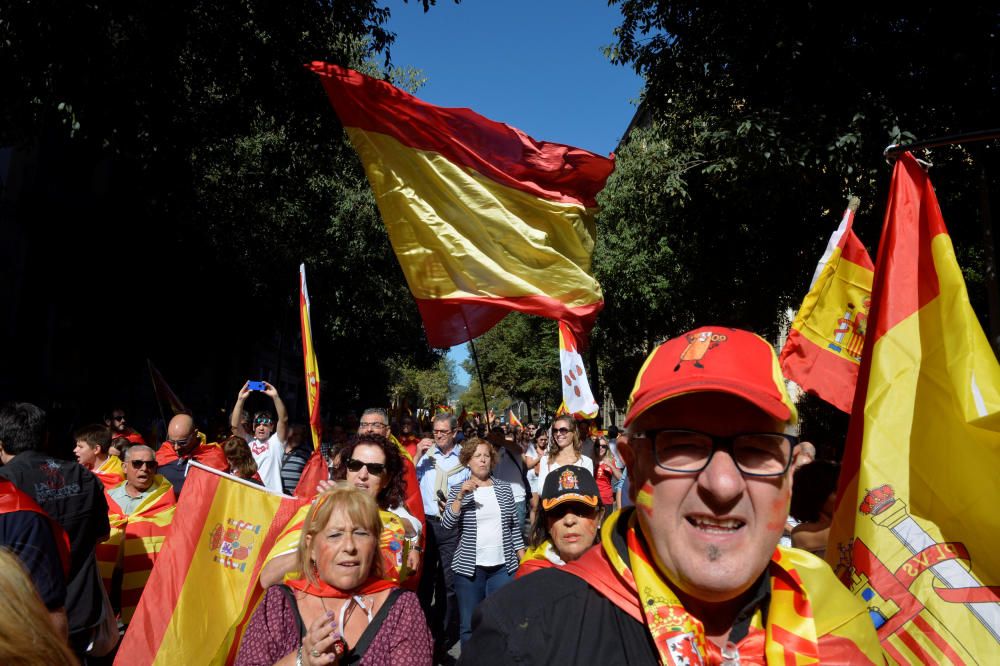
(537, 66)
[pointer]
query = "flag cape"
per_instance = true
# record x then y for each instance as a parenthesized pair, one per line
(916, 533)
(483, 218)
(13, 499)
(204, 584)
(823, 350)
(110, 473)
(577, 397)
(309, 354)
(136, 541)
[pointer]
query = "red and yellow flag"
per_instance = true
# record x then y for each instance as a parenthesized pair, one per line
(823, 350)
(512, 418)
(483, 218)
(916, 533)
(204, 584)
(309, 354)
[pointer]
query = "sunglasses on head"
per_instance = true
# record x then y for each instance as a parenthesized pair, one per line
(139, 464)
(375, 469)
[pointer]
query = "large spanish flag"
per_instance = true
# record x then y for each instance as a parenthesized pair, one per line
(483, 218)
(916, 533)
(204, 583)
(309, 354)
(823, 349)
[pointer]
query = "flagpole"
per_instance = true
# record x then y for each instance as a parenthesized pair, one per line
(475, 359)
(156, 393)
(969, 137)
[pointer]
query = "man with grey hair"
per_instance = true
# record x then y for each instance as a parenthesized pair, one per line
(374, 420)
(439, 468)
(140, 511)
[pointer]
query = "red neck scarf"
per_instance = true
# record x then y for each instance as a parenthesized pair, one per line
(322, 589)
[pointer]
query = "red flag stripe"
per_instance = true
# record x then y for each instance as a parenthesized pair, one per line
(495, 150)
(914, 647)
(940, 643)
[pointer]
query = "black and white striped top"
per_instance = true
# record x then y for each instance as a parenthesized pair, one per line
(464, 561)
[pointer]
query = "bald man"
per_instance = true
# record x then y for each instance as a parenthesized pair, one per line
(184, 443)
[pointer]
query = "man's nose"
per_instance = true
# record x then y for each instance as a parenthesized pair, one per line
(722, 478)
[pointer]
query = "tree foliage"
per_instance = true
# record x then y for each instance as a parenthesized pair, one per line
(425, 387)
(759, 121)
(226, 152)
(520, 357)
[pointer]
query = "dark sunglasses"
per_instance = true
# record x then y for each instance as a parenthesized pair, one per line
(562, 431)
(150, 464)
(263, 421)
(118, 418)
(375, 469)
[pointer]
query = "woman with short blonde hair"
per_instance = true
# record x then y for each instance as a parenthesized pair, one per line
(339, 610)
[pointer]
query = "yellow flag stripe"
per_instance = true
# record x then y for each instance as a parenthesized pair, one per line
(459, 235)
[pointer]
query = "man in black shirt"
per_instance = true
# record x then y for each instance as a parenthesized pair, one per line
(692, 574)
(73, 497)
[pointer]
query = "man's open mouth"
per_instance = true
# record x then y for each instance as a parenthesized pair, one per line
(715, 525)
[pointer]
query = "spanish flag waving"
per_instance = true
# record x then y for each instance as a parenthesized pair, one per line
(916, 533)
(483, 218)
(823, 350)
(204, 584)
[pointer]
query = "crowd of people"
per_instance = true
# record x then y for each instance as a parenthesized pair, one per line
(552, 542)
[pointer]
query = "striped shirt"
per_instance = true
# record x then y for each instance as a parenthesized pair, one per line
(464, 561)
(292, 464)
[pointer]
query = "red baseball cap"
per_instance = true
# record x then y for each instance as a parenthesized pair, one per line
(713, 358)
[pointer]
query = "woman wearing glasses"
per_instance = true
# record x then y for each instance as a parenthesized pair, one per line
(490, 543)
(373, 465)
(564, 449)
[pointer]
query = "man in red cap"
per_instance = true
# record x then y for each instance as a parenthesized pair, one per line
(692, 574)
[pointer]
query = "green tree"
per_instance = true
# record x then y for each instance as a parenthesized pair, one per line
(213, 138)
(520, 357)
(759, 121)
(425, 387)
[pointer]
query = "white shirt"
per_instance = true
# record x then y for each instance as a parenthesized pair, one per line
(489, 530)
(407, 516)
(268, 456)
(543, 468)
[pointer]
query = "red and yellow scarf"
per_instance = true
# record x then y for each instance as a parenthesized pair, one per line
(637, 587)
(327, 591)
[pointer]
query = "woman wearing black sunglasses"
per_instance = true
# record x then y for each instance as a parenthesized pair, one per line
(375, 465)
(564, 449)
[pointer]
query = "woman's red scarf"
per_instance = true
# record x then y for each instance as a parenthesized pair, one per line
(323, 589)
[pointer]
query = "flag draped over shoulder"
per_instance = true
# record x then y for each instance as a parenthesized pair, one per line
(916, 533)
(577, 396)
(483, 218)
(823, 350)
(309, 354)
(204, 584)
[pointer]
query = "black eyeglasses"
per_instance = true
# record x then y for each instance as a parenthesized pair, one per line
(562, 431)
(375, 469)
(373, 425)
(765, 454)
(149, 464)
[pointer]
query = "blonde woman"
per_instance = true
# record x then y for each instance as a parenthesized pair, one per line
(564, 449)
(29, 637)
(340, 610)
